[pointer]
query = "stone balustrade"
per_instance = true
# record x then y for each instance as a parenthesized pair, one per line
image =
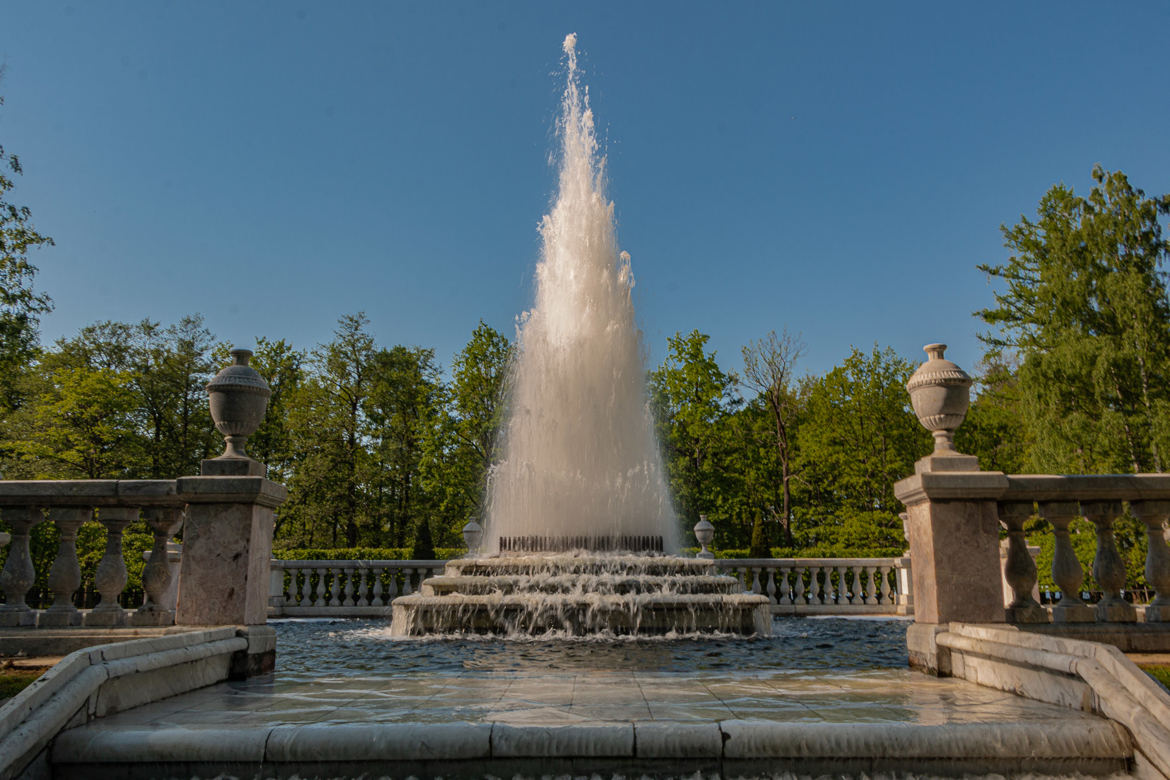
(1100, 499)
(68, 504)
(344, 588)
(827, 586)
(796, 586)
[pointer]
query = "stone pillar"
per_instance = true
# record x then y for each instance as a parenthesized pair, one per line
(954, 543)
(953, 526)
(227, 548)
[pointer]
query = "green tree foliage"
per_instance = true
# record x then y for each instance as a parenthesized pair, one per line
(1084, 309)
(20, 304)
(858, 437)
(329, 431)
(283, 368)
(461, 444)
(693, 400)
(403, 401)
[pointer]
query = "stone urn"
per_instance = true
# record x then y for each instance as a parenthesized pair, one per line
(704, 534)
(472, 536)
(238, 397)
(940, 392)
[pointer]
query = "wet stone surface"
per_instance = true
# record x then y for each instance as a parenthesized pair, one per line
(812, 670)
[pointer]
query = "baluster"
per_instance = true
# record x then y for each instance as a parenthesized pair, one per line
(798, 597)
(1066, 569)
(164, 523)
(785, 591)
(335, 586)
(319, 592)
(871, 574)
(1019, 570)
(305, 588)
(362, 601)
(865, 586)
(18, 575)
(1108, 566)
(817, 585)
(1153, 514)
(887, 591)
(376, 598)
(65, 576)
(755, 579)
(110, 577)
(277, 598)
(392, 582)
(407, 588)
(842, 593)
(855, 596)
(349, 574)
(770, 588)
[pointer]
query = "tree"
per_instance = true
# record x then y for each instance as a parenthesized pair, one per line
(857, 439)
(693, 399)
(78, 423)
(1085, 311)
(462, 441)
(329, 430)
(769, 370)
(400, 409)
(20, 304)
(283, 368)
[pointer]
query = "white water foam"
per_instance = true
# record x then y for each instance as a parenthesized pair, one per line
(579, 453)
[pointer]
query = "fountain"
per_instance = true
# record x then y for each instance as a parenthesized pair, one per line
(579, 516)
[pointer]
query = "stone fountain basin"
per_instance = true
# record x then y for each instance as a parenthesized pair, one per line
(661, 566)
(581, 584)
(581, 615)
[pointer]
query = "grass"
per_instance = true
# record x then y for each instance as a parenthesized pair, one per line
(13, 681)
(1159, 673)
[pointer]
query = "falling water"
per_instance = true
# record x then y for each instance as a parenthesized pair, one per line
(580, 457)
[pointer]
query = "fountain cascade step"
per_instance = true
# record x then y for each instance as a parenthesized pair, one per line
(581, 594)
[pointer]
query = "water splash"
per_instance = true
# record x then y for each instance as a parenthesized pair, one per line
(580, 457)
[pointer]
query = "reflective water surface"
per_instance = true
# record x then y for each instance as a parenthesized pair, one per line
(325, 648)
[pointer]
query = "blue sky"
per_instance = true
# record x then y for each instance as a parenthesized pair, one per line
(838, 169)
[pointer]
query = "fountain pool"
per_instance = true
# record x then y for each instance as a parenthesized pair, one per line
(311, 649)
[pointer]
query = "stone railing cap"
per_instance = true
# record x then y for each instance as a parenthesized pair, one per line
(232, 490)
(89, 492)
(951, 486)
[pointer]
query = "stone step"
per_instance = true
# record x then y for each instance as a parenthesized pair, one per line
(607, 584)
(578, 615)
(515, 565)
(732, 748)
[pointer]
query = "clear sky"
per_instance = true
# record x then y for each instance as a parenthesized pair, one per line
(838, 169)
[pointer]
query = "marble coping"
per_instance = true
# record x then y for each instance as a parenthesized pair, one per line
(997, 486)
(141, 492)
(106, 679)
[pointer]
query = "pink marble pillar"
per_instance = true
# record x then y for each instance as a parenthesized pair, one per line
(227, 546)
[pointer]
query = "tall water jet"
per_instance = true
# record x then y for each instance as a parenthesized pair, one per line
(580, 466)
(581, 472)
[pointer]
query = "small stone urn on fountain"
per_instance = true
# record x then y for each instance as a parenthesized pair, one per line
(238, 397)
(704, 534)
(940, 392)
(472, 537)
